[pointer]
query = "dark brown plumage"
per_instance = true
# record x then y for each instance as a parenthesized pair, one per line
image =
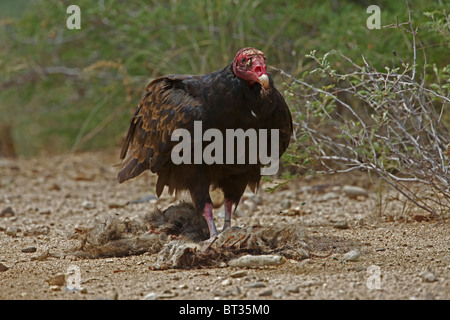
(241, 95)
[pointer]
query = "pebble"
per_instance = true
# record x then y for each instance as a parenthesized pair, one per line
(3, 267)
(285, 204)
(45, 211)
(291, 194)
(329, 196)
(354, 192)
(12, 231)
(238, 274)
(29, 249)
(256, 199)
(257, 261)
(226, 282)
(55, 288)
(55, 187)
(258, 284)
(7, 212)
(352, 255)
(278, 295)
(265, 293)
(292, 288)
(342, 224)
(237, 212)
(428, 276)
(57, 280)
(88, 205)
(167, 294)
(305, 262)
(250, 206)
(37, 230)
(150, 296)
(115, 205)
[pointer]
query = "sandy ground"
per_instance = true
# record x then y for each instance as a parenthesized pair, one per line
(43, 200)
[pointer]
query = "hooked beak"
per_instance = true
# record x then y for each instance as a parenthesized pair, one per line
(264, 81)
(260, 72)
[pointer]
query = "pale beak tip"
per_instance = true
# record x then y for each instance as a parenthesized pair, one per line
(264, 81)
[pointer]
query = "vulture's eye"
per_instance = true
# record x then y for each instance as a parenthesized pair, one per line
(242, 60)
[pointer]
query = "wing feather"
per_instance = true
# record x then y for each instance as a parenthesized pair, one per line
(166, 106)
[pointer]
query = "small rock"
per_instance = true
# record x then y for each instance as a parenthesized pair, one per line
(238, 212)
(57, 280)
(29, 249)
(329, 196)
(183, 286)
(305, 262)
(258, 284)
(7, 212)
(291, 194)
(285, 204)
(354, 192)
(150, 296)
(226, 282)
(352, 255)
(256, 199)
(278, 295)
(83, 290)
(37, 230)
(12, 231)
(55, 187)
(238, 274)
(45, 211)
(265, 293)
(167, 294)
(55, 288)
(292, 288)
(257, 261)
(249, 206)
(115, 205)
(428, 276)
(71, 288)
(342, 224)
(3, 267)
(88, 205)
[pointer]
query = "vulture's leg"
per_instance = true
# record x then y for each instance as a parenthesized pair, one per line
(233, 189)
(208, 212)
(202, 201)
(228, 210)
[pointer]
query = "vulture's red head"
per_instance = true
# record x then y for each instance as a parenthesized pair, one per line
(249, 64)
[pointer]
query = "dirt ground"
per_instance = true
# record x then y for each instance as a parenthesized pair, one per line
(44, 200)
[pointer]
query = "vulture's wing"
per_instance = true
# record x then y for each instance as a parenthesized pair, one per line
(170, 103)
(281, 119)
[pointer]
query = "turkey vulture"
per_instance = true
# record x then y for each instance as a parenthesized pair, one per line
(239, 96)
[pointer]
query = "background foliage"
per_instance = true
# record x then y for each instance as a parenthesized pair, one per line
(64, 89)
